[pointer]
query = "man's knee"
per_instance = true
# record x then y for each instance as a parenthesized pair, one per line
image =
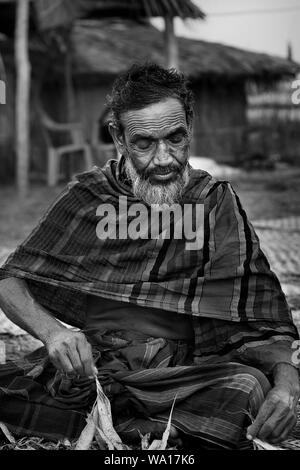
(258, 387)
(258, 376)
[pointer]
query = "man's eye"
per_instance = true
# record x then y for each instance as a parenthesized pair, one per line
(176, 138)
(143, 144)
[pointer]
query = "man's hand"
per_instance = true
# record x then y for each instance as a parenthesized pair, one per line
(70, 352)
(278, 414)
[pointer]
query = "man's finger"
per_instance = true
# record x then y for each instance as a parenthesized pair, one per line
(65, 364)
(75, 361)
(86, 358)
(275, 425)
(286, 431)
(262, 416)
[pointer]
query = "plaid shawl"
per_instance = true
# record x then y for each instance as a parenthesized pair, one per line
(229, 278)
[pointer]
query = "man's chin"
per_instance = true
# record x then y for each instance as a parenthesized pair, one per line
(157, 189)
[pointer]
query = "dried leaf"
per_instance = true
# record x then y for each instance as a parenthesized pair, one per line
(86, 437)
(262, 445)
(66, 443)
(100, 442)
(162, 444)
(7, 433)
(100, 425)
(145, 441)
(155, 445)
(25, 448)
(104, 421)
(106, 443)
(166, 434)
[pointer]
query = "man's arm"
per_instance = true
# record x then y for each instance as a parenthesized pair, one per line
(257, 296)
(69, 351)
(278, 414)
(269, 347)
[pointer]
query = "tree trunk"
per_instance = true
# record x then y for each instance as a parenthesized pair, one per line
(171, 43)
(22, 95)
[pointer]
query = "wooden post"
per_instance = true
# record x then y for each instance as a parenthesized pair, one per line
(22, 95)
(70, 99)
(171, 43)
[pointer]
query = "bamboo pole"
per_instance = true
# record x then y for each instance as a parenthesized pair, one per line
(171, 43)
(22, 95)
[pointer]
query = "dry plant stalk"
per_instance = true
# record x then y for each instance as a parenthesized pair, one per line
(162, 444)
(86, 437)
(258, 444)
(262, 445)
(7, 433)
(145, 441)
(99, 423)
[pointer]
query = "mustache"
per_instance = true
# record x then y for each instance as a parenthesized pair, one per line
(163, 170)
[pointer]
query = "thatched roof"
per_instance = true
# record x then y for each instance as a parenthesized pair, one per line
(62, 12)
(49, 14)
(141, 8)
(109, 47)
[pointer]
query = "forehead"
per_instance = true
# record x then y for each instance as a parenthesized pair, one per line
(156, 118)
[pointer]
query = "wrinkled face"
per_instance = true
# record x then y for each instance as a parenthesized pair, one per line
(155, 143)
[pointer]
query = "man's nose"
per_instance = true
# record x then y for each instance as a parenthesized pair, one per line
(162, 155)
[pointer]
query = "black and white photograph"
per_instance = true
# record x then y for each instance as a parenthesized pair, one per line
(149, 227)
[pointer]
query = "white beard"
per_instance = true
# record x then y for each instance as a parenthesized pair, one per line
(156, 194)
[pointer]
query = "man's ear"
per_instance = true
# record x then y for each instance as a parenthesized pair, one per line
(117, 137)
(190, 129)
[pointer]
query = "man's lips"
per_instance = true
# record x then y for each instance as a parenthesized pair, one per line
(163, 173)
(162, 176)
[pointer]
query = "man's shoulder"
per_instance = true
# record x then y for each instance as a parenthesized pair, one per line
(97, 178)
(203, 185)
(95, 175)
(198, 174)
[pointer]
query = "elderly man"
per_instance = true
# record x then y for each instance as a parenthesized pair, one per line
(159, 268)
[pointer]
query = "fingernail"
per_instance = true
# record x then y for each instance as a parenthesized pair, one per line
(249, 437)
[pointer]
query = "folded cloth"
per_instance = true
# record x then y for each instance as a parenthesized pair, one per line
(141, 376)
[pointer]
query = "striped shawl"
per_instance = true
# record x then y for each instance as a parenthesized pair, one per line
(229, 278)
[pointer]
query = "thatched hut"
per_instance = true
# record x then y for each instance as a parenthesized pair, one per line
(101, 49)
(49, 22)
(39, 60)
(218, 75)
